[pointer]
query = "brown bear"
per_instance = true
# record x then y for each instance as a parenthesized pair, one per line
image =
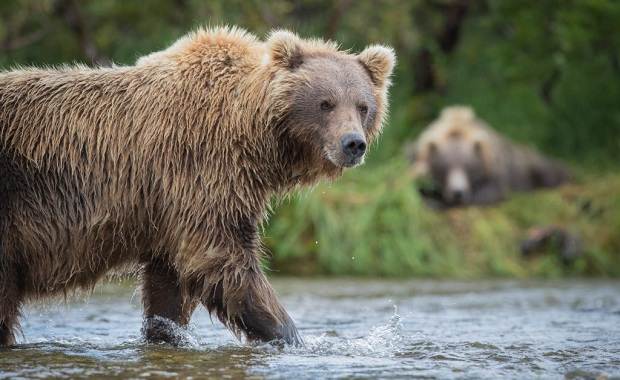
(470, 163)
(170, 164)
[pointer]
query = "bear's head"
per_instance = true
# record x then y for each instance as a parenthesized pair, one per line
(336, 101)
(455, 152)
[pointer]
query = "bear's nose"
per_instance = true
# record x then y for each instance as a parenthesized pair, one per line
(353, 145)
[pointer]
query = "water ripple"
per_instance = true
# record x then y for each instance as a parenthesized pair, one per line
(352, 329)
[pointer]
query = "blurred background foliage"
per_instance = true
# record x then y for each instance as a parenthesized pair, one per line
(545, 73)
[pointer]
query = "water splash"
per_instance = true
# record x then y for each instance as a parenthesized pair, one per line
(382, 341)
(184, 336)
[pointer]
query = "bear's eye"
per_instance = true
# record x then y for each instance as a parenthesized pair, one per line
(363, 109)
(478, 148)
(432, 149)
(326, 105)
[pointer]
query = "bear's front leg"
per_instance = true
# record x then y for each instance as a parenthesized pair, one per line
(167, 304)
(247, 304)
(230, 283)
(489, 193)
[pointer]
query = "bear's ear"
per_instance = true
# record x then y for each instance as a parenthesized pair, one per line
(379, 61)
(285, 49)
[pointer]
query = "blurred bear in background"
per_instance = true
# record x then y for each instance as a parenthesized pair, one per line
(468, 163)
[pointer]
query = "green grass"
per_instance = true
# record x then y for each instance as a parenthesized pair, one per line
(373, 223)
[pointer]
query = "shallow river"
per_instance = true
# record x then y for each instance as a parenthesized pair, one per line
(352, 329)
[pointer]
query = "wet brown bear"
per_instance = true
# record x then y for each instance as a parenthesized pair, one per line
(170, 164)
(469, 163)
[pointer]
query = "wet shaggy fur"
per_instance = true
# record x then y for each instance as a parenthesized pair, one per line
(469, 163)
(170, 164)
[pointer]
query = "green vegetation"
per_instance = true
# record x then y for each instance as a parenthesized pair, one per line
(373, 223)
(545, 73)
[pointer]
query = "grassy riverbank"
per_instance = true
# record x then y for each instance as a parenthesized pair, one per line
(372, 222)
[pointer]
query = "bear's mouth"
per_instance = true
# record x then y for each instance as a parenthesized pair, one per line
(353, 162)
(343, 162)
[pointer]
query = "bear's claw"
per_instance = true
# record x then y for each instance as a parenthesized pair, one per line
(264, 328)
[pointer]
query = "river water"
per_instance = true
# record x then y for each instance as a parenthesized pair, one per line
(352, 329)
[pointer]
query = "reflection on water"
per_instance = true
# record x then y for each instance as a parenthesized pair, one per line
(359, 329)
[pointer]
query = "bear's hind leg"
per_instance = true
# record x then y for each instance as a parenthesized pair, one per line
(10, 302)
(166, 305)
(8, 323)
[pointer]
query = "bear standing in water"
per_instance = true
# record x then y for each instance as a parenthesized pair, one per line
(170, 164)
(469, 163)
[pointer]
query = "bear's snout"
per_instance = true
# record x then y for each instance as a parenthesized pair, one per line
(353, 146)
(457, 186)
